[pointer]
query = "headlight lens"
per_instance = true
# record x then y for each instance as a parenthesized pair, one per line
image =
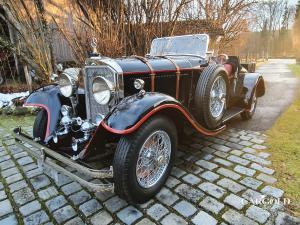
(102, 90)
(65, 85)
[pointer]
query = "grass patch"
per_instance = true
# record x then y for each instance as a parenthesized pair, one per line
(10, 122)
(284, 144)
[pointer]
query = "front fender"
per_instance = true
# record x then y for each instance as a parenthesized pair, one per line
(47, 98)
(131, 109)
(253, 82)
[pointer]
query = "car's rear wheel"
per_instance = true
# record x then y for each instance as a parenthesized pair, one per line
(143, 160)
(210, 96)
(40, 125)
(248, 114)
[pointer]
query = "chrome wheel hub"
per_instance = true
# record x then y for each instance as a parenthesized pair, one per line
(153, 159)
(217, 97)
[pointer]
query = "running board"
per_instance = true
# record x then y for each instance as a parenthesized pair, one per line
(232, 112)
(51, 158)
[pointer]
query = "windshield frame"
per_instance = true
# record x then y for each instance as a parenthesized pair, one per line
(181, 54)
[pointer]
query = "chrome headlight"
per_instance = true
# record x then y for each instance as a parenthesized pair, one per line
(103, 90)
(68, 81)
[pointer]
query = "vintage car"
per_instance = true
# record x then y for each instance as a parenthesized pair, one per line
(118, 121)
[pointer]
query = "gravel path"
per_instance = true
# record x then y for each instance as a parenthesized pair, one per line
(281, 89)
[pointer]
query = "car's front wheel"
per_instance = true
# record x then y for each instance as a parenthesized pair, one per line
(143, 160)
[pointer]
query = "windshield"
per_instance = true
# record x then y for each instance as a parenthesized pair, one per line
(180, 45)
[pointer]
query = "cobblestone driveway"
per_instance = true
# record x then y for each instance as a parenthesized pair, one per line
(218, 180)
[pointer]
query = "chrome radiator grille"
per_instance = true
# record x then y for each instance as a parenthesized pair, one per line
(92, 107)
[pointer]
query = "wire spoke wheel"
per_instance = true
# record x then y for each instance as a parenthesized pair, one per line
(217, 97)
(153, 159)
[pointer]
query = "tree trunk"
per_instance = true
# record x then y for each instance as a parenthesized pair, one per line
(28, 78)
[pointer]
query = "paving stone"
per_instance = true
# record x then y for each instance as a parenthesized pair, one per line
(210, 176)
(212, 189)
(101, 218)
(29, 167)
(39, 182)
(262, 168)
(115, 204)
(20, 155)
(264, 155)
(251, 182)
(104, 195)
(173, 219)
(30, 208)
(256, 159)
(206, 164)
(17, 186)
(258, 214)
(185, 208)
(90, 207)
(48, 193)
(285, 219)
(192, 168)
(233, 217)
(245, 138)
(63, 214)
(249, 150)
(234, 140)
(5, 207)
(253, 196)
(25, 160)
(266, 178)
(7, 164)
(221, 154)
(13, 178)
(62, 180)
(23, 196)
(71, 188)
(207, 157)
(33, 173)
(2, 195)
(172, 182)
(272, 191)
(39, 217)
(75, 221)
(234, 145)
(236, 159)
(166, 196)
(211, 205)
(129, 215)
(1, 186)
(189, 192)
(204, 218)
(235, 201)
(146, 204)
(231, 185)
(221, 148)
(259, 147)
(208, 150)
(228, 173)
(80, 197)
(10, 220)
(4, 158)
(157, 211)
(56, 203)
(236, 152)
(145, 221)
(9, 172)
(244, 170)
(191, 179)
(223, 162)
(177, 172)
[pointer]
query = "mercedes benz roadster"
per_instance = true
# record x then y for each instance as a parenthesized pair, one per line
(118, 121)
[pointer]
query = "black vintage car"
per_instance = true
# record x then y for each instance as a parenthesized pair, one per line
(135, 109)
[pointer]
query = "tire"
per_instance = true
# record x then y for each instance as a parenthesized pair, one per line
(127, 184)
(40, 125)
(248, 114)
(203, 95)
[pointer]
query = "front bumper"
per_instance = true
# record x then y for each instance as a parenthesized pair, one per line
(54, 160)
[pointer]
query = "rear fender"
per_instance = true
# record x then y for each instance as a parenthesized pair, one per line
(47, 98)
(253, 82)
